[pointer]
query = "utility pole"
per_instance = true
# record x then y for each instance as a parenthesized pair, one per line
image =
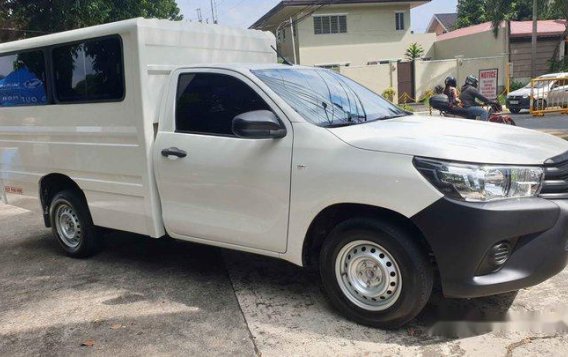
(534, 38)
(199, 15)
(293, 40)
(214, 13)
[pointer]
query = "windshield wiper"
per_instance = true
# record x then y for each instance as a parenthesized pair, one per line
(387, 117)
(339, 125)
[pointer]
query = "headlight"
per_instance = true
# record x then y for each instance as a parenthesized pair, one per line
(525, 96)
(481, 183)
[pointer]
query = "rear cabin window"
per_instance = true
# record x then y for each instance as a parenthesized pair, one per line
(22, 79)
(90, 71)
(207, 103)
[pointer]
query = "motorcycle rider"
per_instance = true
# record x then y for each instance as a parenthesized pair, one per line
(470, 96)
(452, 92)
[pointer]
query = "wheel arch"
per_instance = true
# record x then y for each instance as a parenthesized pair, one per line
(50, 185)
(331, 216)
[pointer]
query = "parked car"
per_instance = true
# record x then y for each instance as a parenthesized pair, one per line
(521, 98)
(558, 97)
(158, 128)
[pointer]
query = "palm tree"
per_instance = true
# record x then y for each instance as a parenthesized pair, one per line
(414, 52)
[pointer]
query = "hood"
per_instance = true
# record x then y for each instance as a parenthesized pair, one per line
(527, 91)
(520, 92)
(454, 139)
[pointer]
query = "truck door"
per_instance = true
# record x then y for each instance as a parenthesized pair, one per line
(214, 186)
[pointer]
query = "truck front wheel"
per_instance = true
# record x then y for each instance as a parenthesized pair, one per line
(375, 273)
(72, 225)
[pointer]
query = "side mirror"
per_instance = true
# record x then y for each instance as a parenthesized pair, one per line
(259, 124)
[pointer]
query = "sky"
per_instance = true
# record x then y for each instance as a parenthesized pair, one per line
(243, 13)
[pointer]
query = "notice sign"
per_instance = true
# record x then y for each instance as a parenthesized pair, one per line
(488, 80)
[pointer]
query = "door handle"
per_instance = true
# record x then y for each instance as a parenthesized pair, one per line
(174, 152)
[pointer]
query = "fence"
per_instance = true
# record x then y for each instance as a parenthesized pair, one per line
(549, 95)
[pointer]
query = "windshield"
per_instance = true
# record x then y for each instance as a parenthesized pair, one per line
(326, 98)
(539, 84)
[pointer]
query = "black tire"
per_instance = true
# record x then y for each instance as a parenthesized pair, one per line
(411, 259)
(73, 206)
(515, 110)
(540, 104)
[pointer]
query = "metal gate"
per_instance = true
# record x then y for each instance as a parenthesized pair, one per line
(405, 82)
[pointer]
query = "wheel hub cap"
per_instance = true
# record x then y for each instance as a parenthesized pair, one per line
(368, 275)
(68, 225)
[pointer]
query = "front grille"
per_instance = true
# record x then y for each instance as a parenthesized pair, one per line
(555, 184)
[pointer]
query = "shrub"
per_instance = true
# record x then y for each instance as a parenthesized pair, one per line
(517, 85)
(389, 94)
(425, 98)
(406, 107)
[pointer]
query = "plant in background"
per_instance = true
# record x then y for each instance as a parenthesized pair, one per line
(558, 65)
(406, 107)
(517, 85)
(389, 94)
(414, 52)
(40, 17)
(425, 98)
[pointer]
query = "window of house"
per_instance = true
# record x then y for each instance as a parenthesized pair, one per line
(22, 79)
(90, 71)
(207, 103)
(330, 24)
(399, 17)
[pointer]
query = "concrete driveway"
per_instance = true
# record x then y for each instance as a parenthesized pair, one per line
(161, 297)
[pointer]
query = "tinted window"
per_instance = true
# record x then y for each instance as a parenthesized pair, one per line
(399, 17)
(207, 103)
(89, 71)
(22, 79)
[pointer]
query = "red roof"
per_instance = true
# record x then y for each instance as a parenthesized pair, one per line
(466, 31)
(545, 28)
(518, 29)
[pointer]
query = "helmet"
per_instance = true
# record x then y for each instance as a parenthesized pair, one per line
(472, 81)
(451, 81)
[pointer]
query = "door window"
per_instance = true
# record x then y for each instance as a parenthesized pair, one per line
(206, 103)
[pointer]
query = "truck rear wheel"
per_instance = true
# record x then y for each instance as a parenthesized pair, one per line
(374, 273)
(72, 225)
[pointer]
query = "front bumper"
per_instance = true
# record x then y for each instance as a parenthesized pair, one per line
(461, 235)
(518, 103)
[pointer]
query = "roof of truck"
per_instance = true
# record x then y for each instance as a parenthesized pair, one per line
(122, 27)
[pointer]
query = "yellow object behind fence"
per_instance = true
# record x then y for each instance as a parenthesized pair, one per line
(549, 94)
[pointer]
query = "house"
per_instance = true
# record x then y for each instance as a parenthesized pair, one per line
(343, 32)
(442, 23)
(513, 39)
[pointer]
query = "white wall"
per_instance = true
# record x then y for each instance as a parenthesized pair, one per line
(377, 78)
(432, 73)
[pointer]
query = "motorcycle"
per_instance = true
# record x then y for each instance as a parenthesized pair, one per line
(441, 102)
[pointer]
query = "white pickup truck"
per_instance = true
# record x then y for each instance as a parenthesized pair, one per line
(130, 126)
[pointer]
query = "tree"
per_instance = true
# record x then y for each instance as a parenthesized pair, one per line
(35, 17)
(414, 52)
(470, 12)
(517, 10)
(473, 12)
